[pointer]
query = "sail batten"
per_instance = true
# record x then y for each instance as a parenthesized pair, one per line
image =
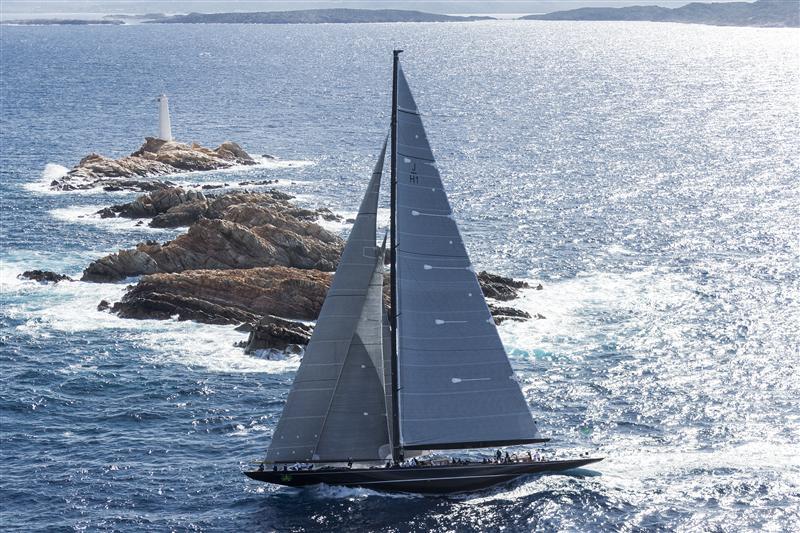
(456, 387)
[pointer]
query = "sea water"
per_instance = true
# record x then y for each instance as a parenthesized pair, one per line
(646, 174)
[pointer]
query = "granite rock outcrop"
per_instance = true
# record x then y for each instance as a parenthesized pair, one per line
(156, 157)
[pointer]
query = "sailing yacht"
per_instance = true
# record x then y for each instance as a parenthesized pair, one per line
(375, 387)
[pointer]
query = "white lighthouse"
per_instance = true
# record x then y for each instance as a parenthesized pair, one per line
(164, 124)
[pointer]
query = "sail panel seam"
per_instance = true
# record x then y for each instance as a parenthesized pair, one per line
(493, 415)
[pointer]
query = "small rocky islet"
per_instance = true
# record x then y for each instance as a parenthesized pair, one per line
(140, 170)
(251, 259)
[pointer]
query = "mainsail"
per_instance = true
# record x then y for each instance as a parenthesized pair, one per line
(456, 388)
(336, 408)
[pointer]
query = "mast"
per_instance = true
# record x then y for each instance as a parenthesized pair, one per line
(396, 451)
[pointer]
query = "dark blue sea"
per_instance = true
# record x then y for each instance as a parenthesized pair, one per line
(647, 174)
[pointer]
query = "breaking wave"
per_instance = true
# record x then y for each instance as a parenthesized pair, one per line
(53, 171)
(87, 214)
(70, 307)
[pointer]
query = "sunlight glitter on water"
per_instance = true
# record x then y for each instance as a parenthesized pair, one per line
(644, 173)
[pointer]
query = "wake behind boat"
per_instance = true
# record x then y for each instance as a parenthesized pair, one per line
(377, 387)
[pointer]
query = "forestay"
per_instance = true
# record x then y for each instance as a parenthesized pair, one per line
(336, 407)
(456, 386)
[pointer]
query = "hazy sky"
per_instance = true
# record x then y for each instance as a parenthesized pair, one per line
(11, 8)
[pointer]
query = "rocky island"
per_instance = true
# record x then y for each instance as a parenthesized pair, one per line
(315, 16)
(761, 13)
(253, 259)
(156, 157)
(299, 16)
(61, 22)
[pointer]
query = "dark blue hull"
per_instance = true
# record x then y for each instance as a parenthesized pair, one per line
(425, 479)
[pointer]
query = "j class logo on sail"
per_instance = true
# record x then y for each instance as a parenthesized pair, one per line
(412, 175)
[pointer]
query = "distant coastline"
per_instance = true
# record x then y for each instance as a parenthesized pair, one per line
(761, 13)
(316, 16)
(305, 16)
(62, 22)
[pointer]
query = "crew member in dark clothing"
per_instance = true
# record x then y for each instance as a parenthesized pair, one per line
(508, 458)
(498, 456)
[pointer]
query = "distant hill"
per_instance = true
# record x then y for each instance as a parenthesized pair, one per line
(146, 16)
(61, 22)
(314, 16)
(762, 13)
